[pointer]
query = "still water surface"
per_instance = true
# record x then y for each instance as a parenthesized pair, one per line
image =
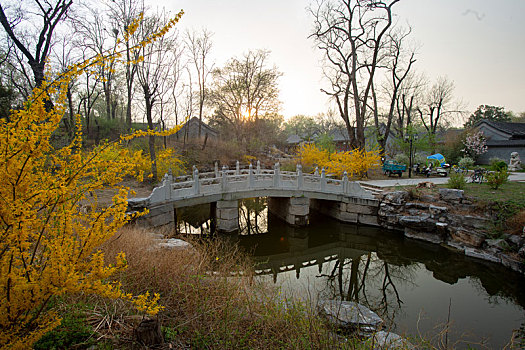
(414, 286)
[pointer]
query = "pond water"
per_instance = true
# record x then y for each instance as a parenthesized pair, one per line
(416, 287)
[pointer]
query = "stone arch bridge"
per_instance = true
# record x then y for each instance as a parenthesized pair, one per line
(291, 196)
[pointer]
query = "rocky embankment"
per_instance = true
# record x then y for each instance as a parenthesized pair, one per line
(449, 218)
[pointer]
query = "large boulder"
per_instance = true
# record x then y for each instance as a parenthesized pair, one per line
(421, 222)
(474, 221)
(388, 340)
(466, 237)
(451, 195)
(396, 197)
(175, 243)
(350, 315)
(432, 237)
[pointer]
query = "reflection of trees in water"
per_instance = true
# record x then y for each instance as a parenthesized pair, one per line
(495, 299)
(194, 220)
(370, 281)
(253, 216)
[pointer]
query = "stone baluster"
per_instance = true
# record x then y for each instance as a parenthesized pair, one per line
(196, 182)
(237, 168)
(224, 179)
(323, 180)
(276, 175)
(166, 183)
(251, 180)
(300, 179)
(345, 182)
(316, 173)
(258, 167)
(216, 169)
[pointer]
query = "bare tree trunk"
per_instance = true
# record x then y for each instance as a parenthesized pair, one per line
(70, 125)
(151, 138)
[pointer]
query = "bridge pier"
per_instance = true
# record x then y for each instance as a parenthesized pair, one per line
(355, 210)
(227, 216)
(294, 210)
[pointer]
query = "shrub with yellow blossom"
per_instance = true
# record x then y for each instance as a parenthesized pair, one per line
(50, 225)
(356, 162)
(167, 159)
(310, 155)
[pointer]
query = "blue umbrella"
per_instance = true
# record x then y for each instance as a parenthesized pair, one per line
(439, 157)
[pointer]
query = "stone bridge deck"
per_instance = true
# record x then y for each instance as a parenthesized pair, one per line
(223, 189)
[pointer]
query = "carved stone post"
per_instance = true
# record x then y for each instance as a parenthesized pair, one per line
(196, 182)
(300, 179)
(323, 180)
(276, 175)
(251, 180)
(166, 184)
(237, 168)
(316, 173)
(258, 167)
(345, 182)
(216, 169)
(224, 179)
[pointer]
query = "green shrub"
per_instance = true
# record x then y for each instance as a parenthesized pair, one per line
(402, 158)
(466, 162)
(72, 332)
(289, 165)
(457, 181)
(497, 178)
(326, 142)
(497, 164)
(420, 158)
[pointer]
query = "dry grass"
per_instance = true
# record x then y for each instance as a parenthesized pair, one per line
(223, 151)
(206, 306)
(516, 223)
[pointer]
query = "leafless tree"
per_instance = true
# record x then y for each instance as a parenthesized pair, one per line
(399, 65)
(100, 39)
(152, 71)
(15, 20)
(199, 45)
(122, 14)
(16, 73)
(437, 107)
(88, 95)
(244, 89)
(181, 91)
(351, 35)
(407, 101)
(64, 55)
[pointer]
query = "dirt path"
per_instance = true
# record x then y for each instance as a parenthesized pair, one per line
(141, 190)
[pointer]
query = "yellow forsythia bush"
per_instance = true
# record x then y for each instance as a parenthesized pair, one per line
(356, 162)
(167, 159)
(311, 155)
(50, 225)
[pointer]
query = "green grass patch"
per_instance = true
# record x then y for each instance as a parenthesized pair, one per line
(508, 192)
(73, 332)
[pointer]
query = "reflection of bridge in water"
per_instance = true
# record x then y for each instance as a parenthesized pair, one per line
(327, 241)
(301, 256)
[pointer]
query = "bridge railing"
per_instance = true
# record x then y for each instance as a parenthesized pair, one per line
(233, 180)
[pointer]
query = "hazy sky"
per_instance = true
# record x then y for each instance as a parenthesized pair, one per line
(478, 44)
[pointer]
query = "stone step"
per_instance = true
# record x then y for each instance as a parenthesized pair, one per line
(372, 188)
